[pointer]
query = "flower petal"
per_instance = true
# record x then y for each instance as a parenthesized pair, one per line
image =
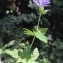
(36, 2)
(41, 3)
(45, 2)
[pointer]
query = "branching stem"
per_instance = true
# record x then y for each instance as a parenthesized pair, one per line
(38, 21)
(37, 29)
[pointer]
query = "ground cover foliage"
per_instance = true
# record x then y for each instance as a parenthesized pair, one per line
(19, 15)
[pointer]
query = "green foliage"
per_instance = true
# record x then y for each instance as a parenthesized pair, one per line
(37, 34)
(56, 54)
(43, 30)
(59, 60)
(34, 55)
(18, 14)
(24, 56)
(27, 56)
(45, 60)
(28, 32)
(9, 44)
(42, 11)
(9, 61)
(13, 53)
(41, 36)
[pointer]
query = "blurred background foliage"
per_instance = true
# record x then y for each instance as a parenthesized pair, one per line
(18, 14)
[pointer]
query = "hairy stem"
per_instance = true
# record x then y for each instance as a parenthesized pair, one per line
(37, 29)
(38, 21)
(33, 40)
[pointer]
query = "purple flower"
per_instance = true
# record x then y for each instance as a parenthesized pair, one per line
(41, 3)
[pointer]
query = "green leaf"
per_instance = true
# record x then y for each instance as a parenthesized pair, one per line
(34, 55)
(32, 62)
(42, 11)
(10, 43)
(26, 53)
(26, 43)
(21, 60)
(43, 30)
(13, 53)
(9, 61)
(21, 55)
(41, 36)
(27, 57)
(45, 60)
(28, 32)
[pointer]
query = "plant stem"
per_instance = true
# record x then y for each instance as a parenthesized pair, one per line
(37, 29)
(38, 21)
(33, 40)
